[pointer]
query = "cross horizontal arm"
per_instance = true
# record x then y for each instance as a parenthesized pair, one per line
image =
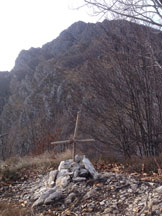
(85, 140)
(70, 141)
(61, 142)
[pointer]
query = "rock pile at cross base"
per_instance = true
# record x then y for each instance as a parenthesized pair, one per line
(61, 182)
(77, 189)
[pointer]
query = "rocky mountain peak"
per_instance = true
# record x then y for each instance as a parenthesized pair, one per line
(49, 84)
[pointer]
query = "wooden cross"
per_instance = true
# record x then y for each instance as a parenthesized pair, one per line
(74, 139)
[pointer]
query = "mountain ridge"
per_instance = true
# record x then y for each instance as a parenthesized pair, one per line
(48, 84)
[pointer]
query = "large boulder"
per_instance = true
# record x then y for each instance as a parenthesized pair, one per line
(89, 166)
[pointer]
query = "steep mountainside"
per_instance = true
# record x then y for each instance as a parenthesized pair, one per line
(50, 84)
(4, 88)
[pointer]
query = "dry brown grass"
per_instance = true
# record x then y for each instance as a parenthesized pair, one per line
(10, 168)
(149, 165)
(8, 209)
(13, 168)
(143, 165)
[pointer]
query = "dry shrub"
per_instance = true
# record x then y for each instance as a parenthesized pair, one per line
(63, 156)
(8, 209)
(149, 165)
(9, 169)
(140, 165)
(108, 158)
(44, 143)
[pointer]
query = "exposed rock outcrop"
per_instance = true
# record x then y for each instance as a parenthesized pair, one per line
(4, 89)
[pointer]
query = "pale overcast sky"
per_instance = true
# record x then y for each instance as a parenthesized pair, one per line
(32, 23)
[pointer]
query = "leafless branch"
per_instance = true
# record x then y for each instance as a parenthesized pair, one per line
(147, 12)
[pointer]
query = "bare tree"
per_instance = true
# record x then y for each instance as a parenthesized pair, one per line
(143, 11)
(125, 97)
(2, 154)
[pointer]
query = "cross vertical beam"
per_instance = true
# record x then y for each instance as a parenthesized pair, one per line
(74, 139)
(75, 135)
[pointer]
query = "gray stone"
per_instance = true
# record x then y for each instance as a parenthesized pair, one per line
(70, 198)
(159, 189)
(102, 203)
(79, 179)
(52, 178)
(78, 158)
(37, 193)
(65, 164)
(63, 173)
(134, 186)
(38, 202)
(89, 166)
(76, 173)
(42, 198)
(63, 181)
(54, 197)
(74, 166)
(49, 191)
(83, 173)
(130, 190)
(90, 193)
(107, 210)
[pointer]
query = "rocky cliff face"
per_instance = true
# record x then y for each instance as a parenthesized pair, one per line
(48, 85)
(4, 89)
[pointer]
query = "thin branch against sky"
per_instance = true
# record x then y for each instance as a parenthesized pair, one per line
(147, 12)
